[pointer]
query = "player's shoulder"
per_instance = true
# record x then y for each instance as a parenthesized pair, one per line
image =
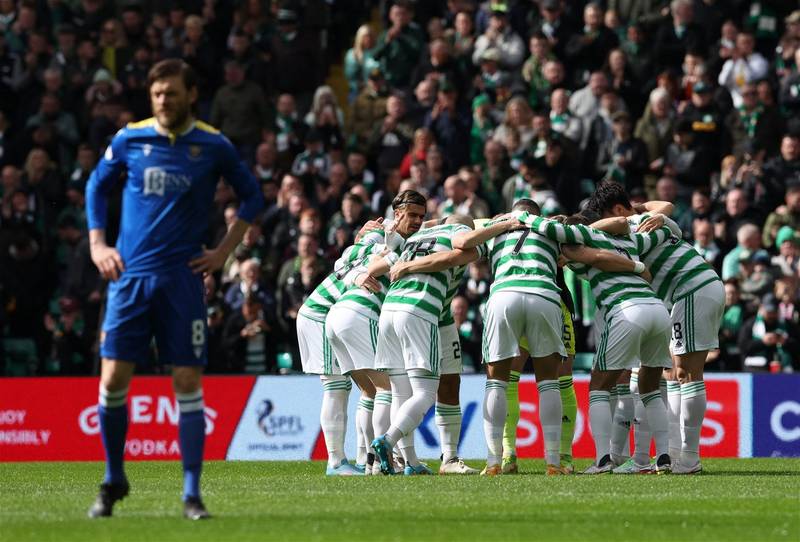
(139, 127)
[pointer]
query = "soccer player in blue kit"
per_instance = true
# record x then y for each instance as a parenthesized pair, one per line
(173, 163)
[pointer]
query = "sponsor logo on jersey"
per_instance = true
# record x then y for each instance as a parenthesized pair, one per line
(159, 182)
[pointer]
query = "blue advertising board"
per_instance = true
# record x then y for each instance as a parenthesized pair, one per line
(776, 415)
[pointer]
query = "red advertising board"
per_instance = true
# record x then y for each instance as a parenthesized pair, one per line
(719, 437)
(45, 419)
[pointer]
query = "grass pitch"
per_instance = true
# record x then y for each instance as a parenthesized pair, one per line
(739, 499)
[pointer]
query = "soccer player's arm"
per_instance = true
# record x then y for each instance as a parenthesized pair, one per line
(439, 261)
(101, 181)
(604, 260)
(651, 222)
(654, 206)
(617, 225)
(646, 241)
(478, 237)
(252, 203)
(555, 231)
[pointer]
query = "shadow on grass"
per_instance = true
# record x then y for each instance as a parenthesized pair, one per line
(750, 473)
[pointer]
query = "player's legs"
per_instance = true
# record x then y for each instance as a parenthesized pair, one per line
(569, 410)
(509, 464)
(495, 410)
(366, 406)
(333, 420)
(655, 357)
(187, 383)
(700, 314)
(448, 407)
(622, 418)
(641, 429)
(673, 406)
(381, 416)
(600, 420)
(125, 340)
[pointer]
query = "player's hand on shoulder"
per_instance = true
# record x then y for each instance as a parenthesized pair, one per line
(371, 225)
(210, 261)
(652, 223)
(646, 275)
(368, 282)
(107, 260)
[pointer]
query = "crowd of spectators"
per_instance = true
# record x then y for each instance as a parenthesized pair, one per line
(474, 104)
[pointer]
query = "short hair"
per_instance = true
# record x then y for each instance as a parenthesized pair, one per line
(408, 197)
(526, 204)
(577, 218)
(354, 198)
(606, 196)
(460, 219)
(172, 67)
(745, 231)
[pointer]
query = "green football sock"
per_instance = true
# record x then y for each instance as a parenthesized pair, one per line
(569, 406)
(512, 419)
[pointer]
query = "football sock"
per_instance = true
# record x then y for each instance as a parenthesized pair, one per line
(550, 417)
(662, 387)
(401, 392)
(641, 429)
(333, 416)
(112, 412)
(495, 410)
(424, 386)
(366, 406)
(569, 412)
(621, 427)
(600, 422)
(192, 438)
(674, 418)
(382, 415)
(657, 420)
(693, 410)
(612, 400)
(448, 420)
(512, 418)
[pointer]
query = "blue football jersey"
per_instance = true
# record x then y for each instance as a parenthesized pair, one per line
(169, 191)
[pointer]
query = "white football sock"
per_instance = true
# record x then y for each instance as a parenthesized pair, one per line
(674, 418)
(550, 414)
(401, 392)
(621, 426)
(424, 385)
(448, 421)
(333, 416)
(382, 415)
(364, 426)
(693, 410)
(495, 410)
(657, 420)
(600, 422)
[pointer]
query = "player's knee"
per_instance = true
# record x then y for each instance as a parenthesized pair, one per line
(448, 389)
(115, 375)
(186, 379)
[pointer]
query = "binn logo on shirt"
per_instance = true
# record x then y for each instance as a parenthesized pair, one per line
(158, 182)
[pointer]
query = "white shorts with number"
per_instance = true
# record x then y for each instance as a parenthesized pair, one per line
(406, 341)
(512, 315)
(316, 353)
(353, 338)
(635, 332)
(451, 350)
(696, 319)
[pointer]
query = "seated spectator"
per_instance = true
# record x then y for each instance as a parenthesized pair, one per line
(748, 238)
(728, 223)
(788, 259)
(358, 173)
(249, 339)
(745, 66)
(768, 344)
(500, 36)
(249, 284)
(265, 167)
(790, 88)
(461, 200)
(541, 51)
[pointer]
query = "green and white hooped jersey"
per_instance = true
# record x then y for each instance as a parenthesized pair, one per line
(677, 268)
(361, 300)
(524, 261)
(610, 290)
(446, 317)
(424, 294)
(320, 301)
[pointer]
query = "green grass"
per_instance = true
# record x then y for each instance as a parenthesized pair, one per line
(749, 500)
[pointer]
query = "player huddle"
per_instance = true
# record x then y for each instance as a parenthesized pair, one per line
(382, 319)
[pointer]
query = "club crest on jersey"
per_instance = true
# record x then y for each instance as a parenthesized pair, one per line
(147, 149)
(194, 151)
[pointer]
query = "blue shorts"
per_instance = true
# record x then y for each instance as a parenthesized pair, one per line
(170, 306)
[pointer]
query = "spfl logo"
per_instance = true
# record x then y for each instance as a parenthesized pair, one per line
(277, 426)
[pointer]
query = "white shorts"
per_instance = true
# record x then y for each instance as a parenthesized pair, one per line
(513, 315)
(353, 338)
(632, 333)
(316, 354)
(696, 319)
(451, 350)
(406, 341)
